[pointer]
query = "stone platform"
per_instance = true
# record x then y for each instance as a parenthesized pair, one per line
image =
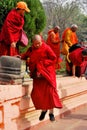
(17, 111)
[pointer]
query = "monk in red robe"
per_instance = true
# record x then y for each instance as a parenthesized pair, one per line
(53, 40)
(11, 30)
(42, 70)
(78, 57)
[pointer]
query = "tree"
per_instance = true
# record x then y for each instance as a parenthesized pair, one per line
(35, 21)
(65, 13)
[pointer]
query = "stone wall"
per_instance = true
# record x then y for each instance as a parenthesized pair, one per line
(16, 108)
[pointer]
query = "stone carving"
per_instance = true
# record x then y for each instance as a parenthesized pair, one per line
(10, 70)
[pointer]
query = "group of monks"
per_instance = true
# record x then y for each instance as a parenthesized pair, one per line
(68, 39)
(44, 57)
(41, 60)
(11, 33)
(76, 61)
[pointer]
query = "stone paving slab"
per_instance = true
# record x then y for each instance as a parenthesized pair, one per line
(77, 120)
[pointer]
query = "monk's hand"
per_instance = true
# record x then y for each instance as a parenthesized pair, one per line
(13, 44)
(39, 75)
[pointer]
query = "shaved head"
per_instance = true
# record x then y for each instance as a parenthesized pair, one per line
(74, 27)
(37, 37)
(37, 41)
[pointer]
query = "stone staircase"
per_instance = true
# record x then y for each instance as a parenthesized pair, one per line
(18, 113)
(73, 94)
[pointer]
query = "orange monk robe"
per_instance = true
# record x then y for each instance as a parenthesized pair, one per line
(53, 41)
(69, 38)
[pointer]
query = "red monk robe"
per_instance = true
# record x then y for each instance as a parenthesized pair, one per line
(42, 61)
(79, 61)
(11, 32)
(53, 41)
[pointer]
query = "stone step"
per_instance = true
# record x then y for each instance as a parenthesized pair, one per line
(73, 93)
(17, 111)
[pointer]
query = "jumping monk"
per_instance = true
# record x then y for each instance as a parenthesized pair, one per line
(42, 69)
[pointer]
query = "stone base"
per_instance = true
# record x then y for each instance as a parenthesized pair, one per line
(11, 79)
(17, 111)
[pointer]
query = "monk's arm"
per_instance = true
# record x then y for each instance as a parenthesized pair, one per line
(53, 38)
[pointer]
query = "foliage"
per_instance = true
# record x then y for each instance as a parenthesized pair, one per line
(82, 30)
(5, 7)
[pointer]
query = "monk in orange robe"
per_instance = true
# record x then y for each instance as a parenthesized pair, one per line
(42, 69)
(11, 30)
(69, 38)
(53, 40)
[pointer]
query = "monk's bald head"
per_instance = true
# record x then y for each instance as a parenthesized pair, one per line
(37, 42)
(74, 27)
(36, 37)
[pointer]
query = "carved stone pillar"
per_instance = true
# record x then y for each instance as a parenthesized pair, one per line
(10, 70)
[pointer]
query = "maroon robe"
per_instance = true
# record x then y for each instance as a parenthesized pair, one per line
(44, 93)
(79, 61)
(11, 32)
